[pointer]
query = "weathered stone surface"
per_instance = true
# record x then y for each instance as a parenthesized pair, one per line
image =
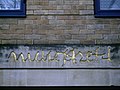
(67, 77)
(59, 22)
(60, 56)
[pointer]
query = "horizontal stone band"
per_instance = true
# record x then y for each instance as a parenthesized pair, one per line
(60, 56)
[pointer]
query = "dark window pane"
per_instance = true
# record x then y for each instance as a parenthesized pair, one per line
(109, 4)
(10, 4)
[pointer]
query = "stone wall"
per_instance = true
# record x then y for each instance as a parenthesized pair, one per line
(60, 22)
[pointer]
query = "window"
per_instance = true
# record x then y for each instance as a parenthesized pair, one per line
(12, 8)
(107, 8)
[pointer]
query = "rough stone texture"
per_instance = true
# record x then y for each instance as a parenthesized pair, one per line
(60, 56)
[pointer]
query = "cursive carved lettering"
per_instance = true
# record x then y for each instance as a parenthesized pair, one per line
(73, 55)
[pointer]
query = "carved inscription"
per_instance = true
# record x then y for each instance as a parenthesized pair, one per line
(73, 55)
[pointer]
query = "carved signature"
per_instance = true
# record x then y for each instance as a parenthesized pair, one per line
(67, 56)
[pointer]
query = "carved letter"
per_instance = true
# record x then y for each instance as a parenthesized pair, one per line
(22, 57)
(89, 53)
(108, 54)
(43, 58)
(13, 54)
(97, 54)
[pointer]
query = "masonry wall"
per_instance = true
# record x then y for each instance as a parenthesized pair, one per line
(60, 22)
